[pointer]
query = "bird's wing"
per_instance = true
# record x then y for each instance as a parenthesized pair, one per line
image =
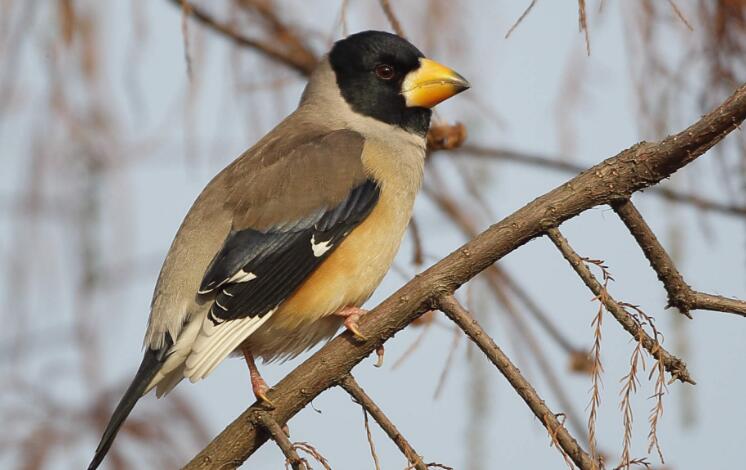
(266, 257)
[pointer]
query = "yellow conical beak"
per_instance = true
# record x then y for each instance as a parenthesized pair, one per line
(430, 84)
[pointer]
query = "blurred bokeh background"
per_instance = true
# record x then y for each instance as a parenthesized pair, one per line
(114, 115)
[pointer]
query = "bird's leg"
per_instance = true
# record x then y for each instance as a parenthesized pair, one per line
(351, 316)
(258, 385)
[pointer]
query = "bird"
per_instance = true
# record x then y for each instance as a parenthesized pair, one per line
(285, 244)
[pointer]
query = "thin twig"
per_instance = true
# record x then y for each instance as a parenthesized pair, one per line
(279, 436)
(418, 256)
(451, 307)
(630, 382)
(185, 12)
(583, 23)
(391, 16)
(680, 14)
(675, 366)
(596, 366)
(555, 443)
(520, 18)
(447, 365)
(313, 452)
(680, 294)
(302, 61)
(372, 445)
(357, 392)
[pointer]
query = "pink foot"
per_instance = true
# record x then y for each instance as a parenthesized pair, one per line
(351, 316)
(258, 385)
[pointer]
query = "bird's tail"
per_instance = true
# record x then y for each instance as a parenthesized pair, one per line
(151, 362)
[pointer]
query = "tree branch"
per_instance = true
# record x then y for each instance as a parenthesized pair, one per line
(680, 294)
(450, 306)
(675, 366)
(614, 179)
(357, 392)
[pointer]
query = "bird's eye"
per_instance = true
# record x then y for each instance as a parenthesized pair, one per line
(385, 71)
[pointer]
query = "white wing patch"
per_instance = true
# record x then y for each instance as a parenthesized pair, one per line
(241, 276)
(215, 342)
(321, 247)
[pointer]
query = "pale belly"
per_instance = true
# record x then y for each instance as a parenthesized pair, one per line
(347, 278)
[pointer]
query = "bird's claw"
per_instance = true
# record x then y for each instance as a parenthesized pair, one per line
(351, 316)
(261, 394)
(351, 325)
(379, 354)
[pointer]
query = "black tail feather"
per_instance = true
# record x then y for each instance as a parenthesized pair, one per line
(149, 366)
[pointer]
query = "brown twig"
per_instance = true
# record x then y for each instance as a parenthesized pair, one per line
(520, 18)
(418, 255)
(675, 366)
(680, 15)
(185, 12)
(630, 382)
(357, 392)
(555, 443)
(583, 25)
(656, 412)
(680, 294)
(614, 179)
(301, 60)
(313, 452)
(371, 444)
(450, 306)
(279, 436)
(596, 365)
(447, 366)
(391, 16)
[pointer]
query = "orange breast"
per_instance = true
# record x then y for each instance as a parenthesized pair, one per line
(354, 270)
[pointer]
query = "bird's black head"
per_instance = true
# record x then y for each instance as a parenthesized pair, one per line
(380, 73)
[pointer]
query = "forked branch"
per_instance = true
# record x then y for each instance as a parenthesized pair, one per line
(680, 294)
(675, 366)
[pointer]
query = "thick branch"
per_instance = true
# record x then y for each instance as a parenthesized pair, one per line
(680, 294)
(614, 179)
(450, 306)
(675, 366)
(357, 392)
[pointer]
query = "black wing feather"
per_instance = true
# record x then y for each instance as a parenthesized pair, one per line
(280, 258)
